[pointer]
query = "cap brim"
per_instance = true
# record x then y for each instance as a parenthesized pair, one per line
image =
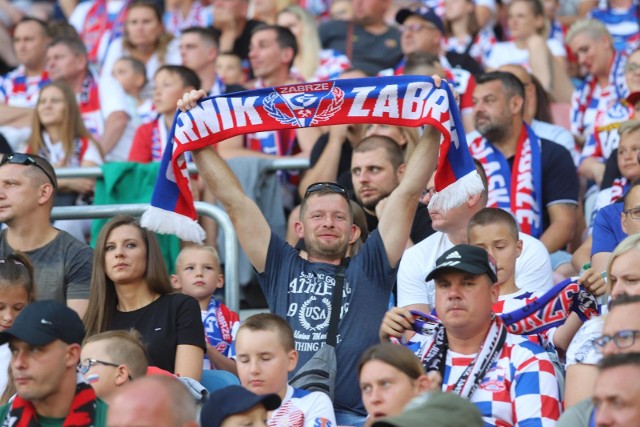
(30, 336)
(402, 15)
(466, 268)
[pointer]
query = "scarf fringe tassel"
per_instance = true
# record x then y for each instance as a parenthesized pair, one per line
(166, 222)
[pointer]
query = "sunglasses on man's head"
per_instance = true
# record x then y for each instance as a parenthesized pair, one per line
(329, 186)
(26, 160)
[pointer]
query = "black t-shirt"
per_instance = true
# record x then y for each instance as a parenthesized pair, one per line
(169, 321)
(611, 170)
(464, 61)
(559, 177)
(241, 45)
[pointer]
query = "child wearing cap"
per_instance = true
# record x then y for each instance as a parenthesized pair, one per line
(198, 275)
(235, 406)
(265, 354)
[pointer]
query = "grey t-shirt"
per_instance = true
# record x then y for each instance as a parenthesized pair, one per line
(62, 267)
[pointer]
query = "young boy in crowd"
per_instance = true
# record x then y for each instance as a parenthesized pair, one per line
(265, 355)
(198, 275)
(132, 76)
(170, 83)
(229, 68)
(235, 406)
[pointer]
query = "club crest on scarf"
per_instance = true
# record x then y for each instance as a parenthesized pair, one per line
(303, 102)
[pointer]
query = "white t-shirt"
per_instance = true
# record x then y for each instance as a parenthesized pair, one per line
(504, 53)
(5, 358)
(302, 408)
(582, 350)
(533, 268)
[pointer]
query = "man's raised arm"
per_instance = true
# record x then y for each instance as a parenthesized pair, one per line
(252, 228)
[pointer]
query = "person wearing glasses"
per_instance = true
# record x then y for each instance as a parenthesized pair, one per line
(45, 342)
(112, 359)
(301, 290)
(62, 263)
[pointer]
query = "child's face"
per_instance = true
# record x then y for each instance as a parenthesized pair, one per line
(497, 239)
(101, 377)
(254, 417)
(198, 274)
(12, 300)
(125, 75)
(229, 69)
(168, 89)
(262, 361)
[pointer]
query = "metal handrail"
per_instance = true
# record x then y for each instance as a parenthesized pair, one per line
(96, 171)
(232, 285)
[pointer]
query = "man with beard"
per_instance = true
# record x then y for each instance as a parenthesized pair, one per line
(531, 177)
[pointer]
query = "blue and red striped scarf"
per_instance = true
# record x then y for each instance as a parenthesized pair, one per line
(400, 101)
(518, 191)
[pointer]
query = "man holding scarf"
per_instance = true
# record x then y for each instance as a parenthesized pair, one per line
(509, 378)
(533, 178)
(45, 342)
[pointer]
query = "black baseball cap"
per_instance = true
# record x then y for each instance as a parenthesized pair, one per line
(424, 12)
(467, 258)
(42, 322)
(233, 400)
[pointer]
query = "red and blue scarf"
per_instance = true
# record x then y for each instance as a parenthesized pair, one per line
(219, 324)
(399, 101)
(518, 191)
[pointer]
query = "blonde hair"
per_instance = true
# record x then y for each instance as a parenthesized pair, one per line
(308, 58)
(124, 348)
(594, 29)
(628, 127)
(210, 249)
(628, 244)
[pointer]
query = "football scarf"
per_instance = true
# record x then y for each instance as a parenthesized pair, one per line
(518, 191)
(82, 412)
(97, 23)
(218, 326)
(399, 101)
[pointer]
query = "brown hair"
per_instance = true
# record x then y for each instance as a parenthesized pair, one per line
(271, 322)
(124, 348)
(16, 270)
(398, 356)
(488, 216)
(103, 298)
(162, 44)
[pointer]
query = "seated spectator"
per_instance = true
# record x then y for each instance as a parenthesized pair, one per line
(371, 45)
(198, 275)
(341, 10)
(231, 20)
(312, 62)
(62, 263)
(621, 19)
(16, 292)
(154, 400)
(616, 390)
(472, 350)
(170, 82)
(236, 406)
(181, 14)
(531, 49)
(59, 135)
(229, 68)
(390, 376)
(131, 289)
(265, 355)
(604, 83)
(110, 360)
(463, 34)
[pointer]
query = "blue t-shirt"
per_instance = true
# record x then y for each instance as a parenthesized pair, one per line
(607, 229)
(301, 292)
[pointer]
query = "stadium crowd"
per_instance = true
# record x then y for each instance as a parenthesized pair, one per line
(384, 300)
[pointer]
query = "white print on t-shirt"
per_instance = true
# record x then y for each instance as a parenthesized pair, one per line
(309, 308)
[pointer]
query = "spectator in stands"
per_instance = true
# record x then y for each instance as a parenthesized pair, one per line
(464, 35)
(19, 88)
(98, 22)
(552, 196)
(370, 44)
(229, 68)
(234, 26)
(170, 82)
(604, 84)
(390, 376)
(533, 267)
(59, 135)
(112, 359)
(312, 62)
(132, 76)
(155, 400)
(198, 275)
(529, 47)
(543, 129)
(236, 406)
(500, 372)
(583, 355)
(45, 342)
(182, 14)
(621, 19)
(369, 275)
(265, 355)
(341, 10)
(17, 290)
(267, 10)
(62, 263)
(423, 32)
(617, 391)
(67, 61)
(131, 289)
